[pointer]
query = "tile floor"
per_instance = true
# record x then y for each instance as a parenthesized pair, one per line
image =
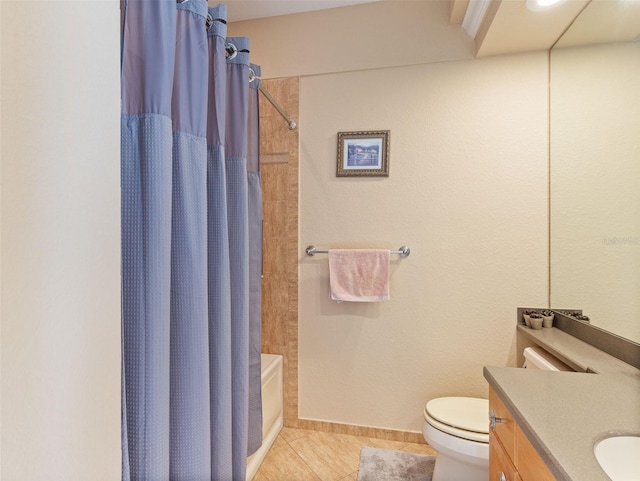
(302, 455)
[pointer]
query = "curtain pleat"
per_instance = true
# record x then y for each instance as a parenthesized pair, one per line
(189, 214)
(255, 266)
(190, 440)
(218, 253)
(237, 111)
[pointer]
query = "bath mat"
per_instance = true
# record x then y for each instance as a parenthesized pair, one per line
(388, 465)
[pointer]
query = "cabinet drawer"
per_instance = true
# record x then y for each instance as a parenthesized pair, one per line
(500, 466)
(529, 463)
(505, 430)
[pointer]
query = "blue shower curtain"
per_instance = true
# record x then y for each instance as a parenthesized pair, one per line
(191, 245)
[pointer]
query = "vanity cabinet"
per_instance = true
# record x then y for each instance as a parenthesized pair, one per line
(511, 455)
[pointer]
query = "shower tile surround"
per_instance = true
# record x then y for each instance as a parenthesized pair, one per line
(279, 172)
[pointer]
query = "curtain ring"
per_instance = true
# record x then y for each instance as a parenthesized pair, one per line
(208, 22)
(181, 1)
(252, 75)
(231, 51)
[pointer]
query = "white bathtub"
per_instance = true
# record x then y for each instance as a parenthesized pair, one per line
(272, 418)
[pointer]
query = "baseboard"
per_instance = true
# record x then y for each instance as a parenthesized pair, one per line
(353, 430)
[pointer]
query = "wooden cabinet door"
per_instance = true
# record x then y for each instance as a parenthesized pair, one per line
(529, 463)
(500, 466)
(505, 428)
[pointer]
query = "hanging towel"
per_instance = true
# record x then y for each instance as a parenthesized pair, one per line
(359, 275)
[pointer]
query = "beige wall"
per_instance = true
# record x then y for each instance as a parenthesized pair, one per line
(467, 192)
(595, 167)
(60, 246)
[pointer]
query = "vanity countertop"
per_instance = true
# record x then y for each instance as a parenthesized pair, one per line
(565, 413)
(578, 354)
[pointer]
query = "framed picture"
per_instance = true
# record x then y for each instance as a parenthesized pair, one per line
(363, 154)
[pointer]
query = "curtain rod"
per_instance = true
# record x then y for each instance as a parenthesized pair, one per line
(230, 52)
(291, 123)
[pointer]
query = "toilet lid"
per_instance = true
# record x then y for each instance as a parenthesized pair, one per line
(465, 413)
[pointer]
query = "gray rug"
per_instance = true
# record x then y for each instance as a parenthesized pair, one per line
(387, 465)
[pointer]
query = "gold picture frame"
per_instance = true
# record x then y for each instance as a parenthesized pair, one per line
(363, 154)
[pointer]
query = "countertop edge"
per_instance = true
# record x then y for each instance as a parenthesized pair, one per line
(576, 353)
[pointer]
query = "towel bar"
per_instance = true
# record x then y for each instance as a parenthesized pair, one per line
(403, 251)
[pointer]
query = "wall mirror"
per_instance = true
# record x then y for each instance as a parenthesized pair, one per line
(595, 167)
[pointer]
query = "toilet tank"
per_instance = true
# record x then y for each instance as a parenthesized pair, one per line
(538, 358)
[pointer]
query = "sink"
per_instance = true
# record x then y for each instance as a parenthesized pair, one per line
(619, 457)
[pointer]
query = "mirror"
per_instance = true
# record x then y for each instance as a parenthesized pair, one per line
(595, 167)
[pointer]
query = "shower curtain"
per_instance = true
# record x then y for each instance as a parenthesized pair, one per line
(191, 241)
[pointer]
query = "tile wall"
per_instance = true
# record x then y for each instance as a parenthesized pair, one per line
(279, 172)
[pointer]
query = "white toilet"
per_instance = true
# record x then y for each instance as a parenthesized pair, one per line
(458, 429)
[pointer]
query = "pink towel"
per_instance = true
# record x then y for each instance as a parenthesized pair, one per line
(359, 275)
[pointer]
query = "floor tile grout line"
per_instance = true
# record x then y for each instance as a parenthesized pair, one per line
(321, 448)
(301, 458)
(308, 434)
(272, 448)
(287, 443)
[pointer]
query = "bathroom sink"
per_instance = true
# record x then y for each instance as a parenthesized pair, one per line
(619, 456)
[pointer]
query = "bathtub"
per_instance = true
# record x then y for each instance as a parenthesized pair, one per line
(272, 418)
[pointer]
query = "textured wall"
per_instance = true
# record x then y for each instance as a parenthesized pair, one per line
(467, 192)
(60, 241)
(595, 172)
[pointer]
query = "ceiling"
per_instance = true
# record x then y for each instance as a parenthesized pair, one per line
(239, 10)
(605, 21)
(507, 26)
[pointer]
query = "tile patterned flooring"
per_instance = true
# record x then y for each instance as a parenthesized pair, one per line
(303, 455)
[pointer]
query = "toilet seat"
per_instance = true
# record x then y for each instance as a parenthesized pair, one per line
(463, 417)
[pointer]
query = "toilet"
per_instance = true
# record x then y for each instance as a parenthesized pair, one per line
(458, 427)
